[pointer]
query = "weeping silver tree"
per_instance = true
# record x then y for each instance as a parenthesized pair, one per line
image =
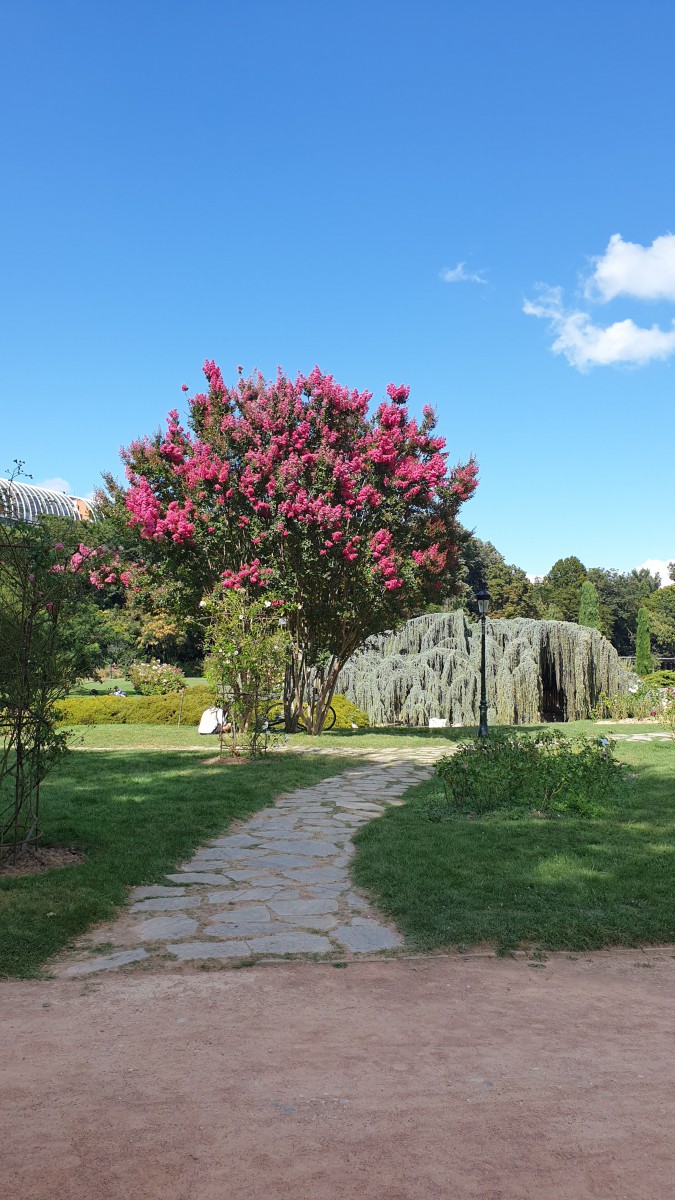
(430, 667)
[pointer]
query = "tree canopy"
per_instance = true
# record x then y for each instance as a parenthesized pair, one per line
(293, 486)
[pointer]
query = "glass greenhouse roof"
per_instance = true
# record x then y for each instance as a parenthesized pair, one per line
(23, 502)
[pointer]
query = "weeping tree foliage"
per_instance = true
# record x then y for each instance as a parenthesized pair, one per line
(589, 606)
(430, 667)
(644, 662)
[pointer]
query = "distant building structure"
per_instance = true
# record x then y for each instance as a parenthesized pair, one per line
(23, 502)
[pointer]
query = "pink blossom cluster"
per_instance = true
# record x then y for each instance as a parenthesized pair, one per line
(301, 460)
(253, 573)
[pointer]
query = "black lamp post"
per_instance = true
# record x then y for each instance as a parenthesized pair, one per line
(483, 602)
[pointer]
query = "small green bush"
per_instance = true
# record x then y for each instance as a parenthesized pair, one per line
(521, 775)
(660, 679)
(135, 710)
(156, 678)
(348, 714)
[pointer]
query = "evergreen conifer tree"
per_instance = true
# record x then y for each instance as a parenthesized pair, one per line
(589, 606)
(643, 644)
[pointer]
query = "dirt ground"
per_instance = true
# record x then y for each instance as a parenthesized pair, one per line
(409, 1080)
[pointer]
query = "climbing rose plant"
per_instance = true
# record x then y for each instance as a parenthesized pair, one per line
(246, 654)
(292, 488)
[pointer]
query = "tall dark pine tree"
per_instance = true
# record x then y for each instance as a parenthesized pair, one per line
(589, 606)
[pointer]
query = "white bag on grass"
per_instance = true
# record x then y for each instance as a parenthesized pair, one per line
(212, 720)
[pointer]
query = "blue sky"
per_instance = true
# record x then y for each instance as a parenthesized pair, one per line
(287, 184)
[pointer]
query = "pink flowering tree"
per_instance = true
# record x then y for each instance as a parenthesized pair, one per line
(294, 488)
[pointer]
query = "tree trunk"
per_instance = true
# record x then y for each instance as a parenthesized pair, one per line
(308, 692)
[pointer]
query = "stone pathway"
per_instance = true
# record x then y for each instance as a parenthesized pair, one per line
(637, 737)
(277, 884)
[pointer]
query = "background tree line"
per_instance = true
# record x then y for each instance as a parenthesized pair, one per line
(611, 599)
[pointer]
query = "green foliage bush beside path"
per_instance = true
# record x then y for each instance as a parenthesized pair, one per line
(571, 883)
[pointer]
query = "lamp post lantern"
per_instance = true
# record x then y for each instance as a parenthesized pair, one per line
(483, 602)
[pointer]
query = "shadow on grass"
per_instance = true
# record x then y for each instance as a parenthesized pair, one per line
(570, 883)
(136, 816)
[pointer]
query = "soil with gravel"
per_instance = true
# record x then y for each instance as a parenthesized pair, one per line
(462, 1078)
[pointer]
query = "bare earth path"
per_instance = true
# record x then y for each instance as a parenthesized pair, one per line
(275, 885)
(428, 1079)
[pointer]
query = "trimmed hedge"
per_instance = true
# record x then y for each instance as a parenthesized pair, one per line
(163, 710)
(135, 710)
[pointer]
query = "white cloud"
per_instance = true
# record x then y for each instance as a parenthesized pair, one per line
(658, 566)
(629, 269)
(459, 275)
(586, 345)
(57, 484)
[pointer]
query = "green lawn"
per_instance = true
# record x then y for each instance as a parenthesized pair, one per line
(91, 687)
(549, 884)
(161, 736)
(136, 815)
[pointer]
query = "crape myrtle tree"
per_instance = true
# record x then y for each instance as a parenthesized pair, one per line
(292, 488)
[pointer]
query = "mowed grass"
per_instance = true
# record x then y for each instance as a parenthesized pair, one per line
(90, 687)
(186, 738)
(572, 884)
(136, 815)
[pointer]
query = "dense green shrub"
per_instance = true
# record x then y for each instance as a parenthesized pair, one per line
(547, 775)
(156, 678)
(348, 714)
(135, 710)
(659, 679)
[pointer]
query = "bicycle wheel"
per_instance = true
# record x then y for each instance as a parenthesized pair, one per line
(331, 718)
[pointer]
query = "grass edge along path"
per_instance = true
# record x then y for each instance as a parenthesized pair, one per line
(499, 883)
(136, 816)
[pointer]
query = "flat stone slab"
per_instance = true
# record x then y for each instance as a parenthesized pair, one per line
(315, 849)
(232, 839)
(357, 902)
(276, 881)
(278, 891)
(120, 959)
(207, 864)
(302, 908)
(245, 873)
(190, 950)
(317, 875)
(240, 916)
(365, 937)
(247, 929)
(142, 893)
(204, 877)
(160, 928)
(236, 896)
(166, 904)
(291, 943)
(282, 862)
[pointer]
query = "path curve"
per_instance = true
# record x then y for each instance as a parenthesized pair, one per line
(275, 885)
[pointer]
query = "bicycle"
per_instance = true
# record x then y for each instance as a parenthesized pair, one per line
(269, 724)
